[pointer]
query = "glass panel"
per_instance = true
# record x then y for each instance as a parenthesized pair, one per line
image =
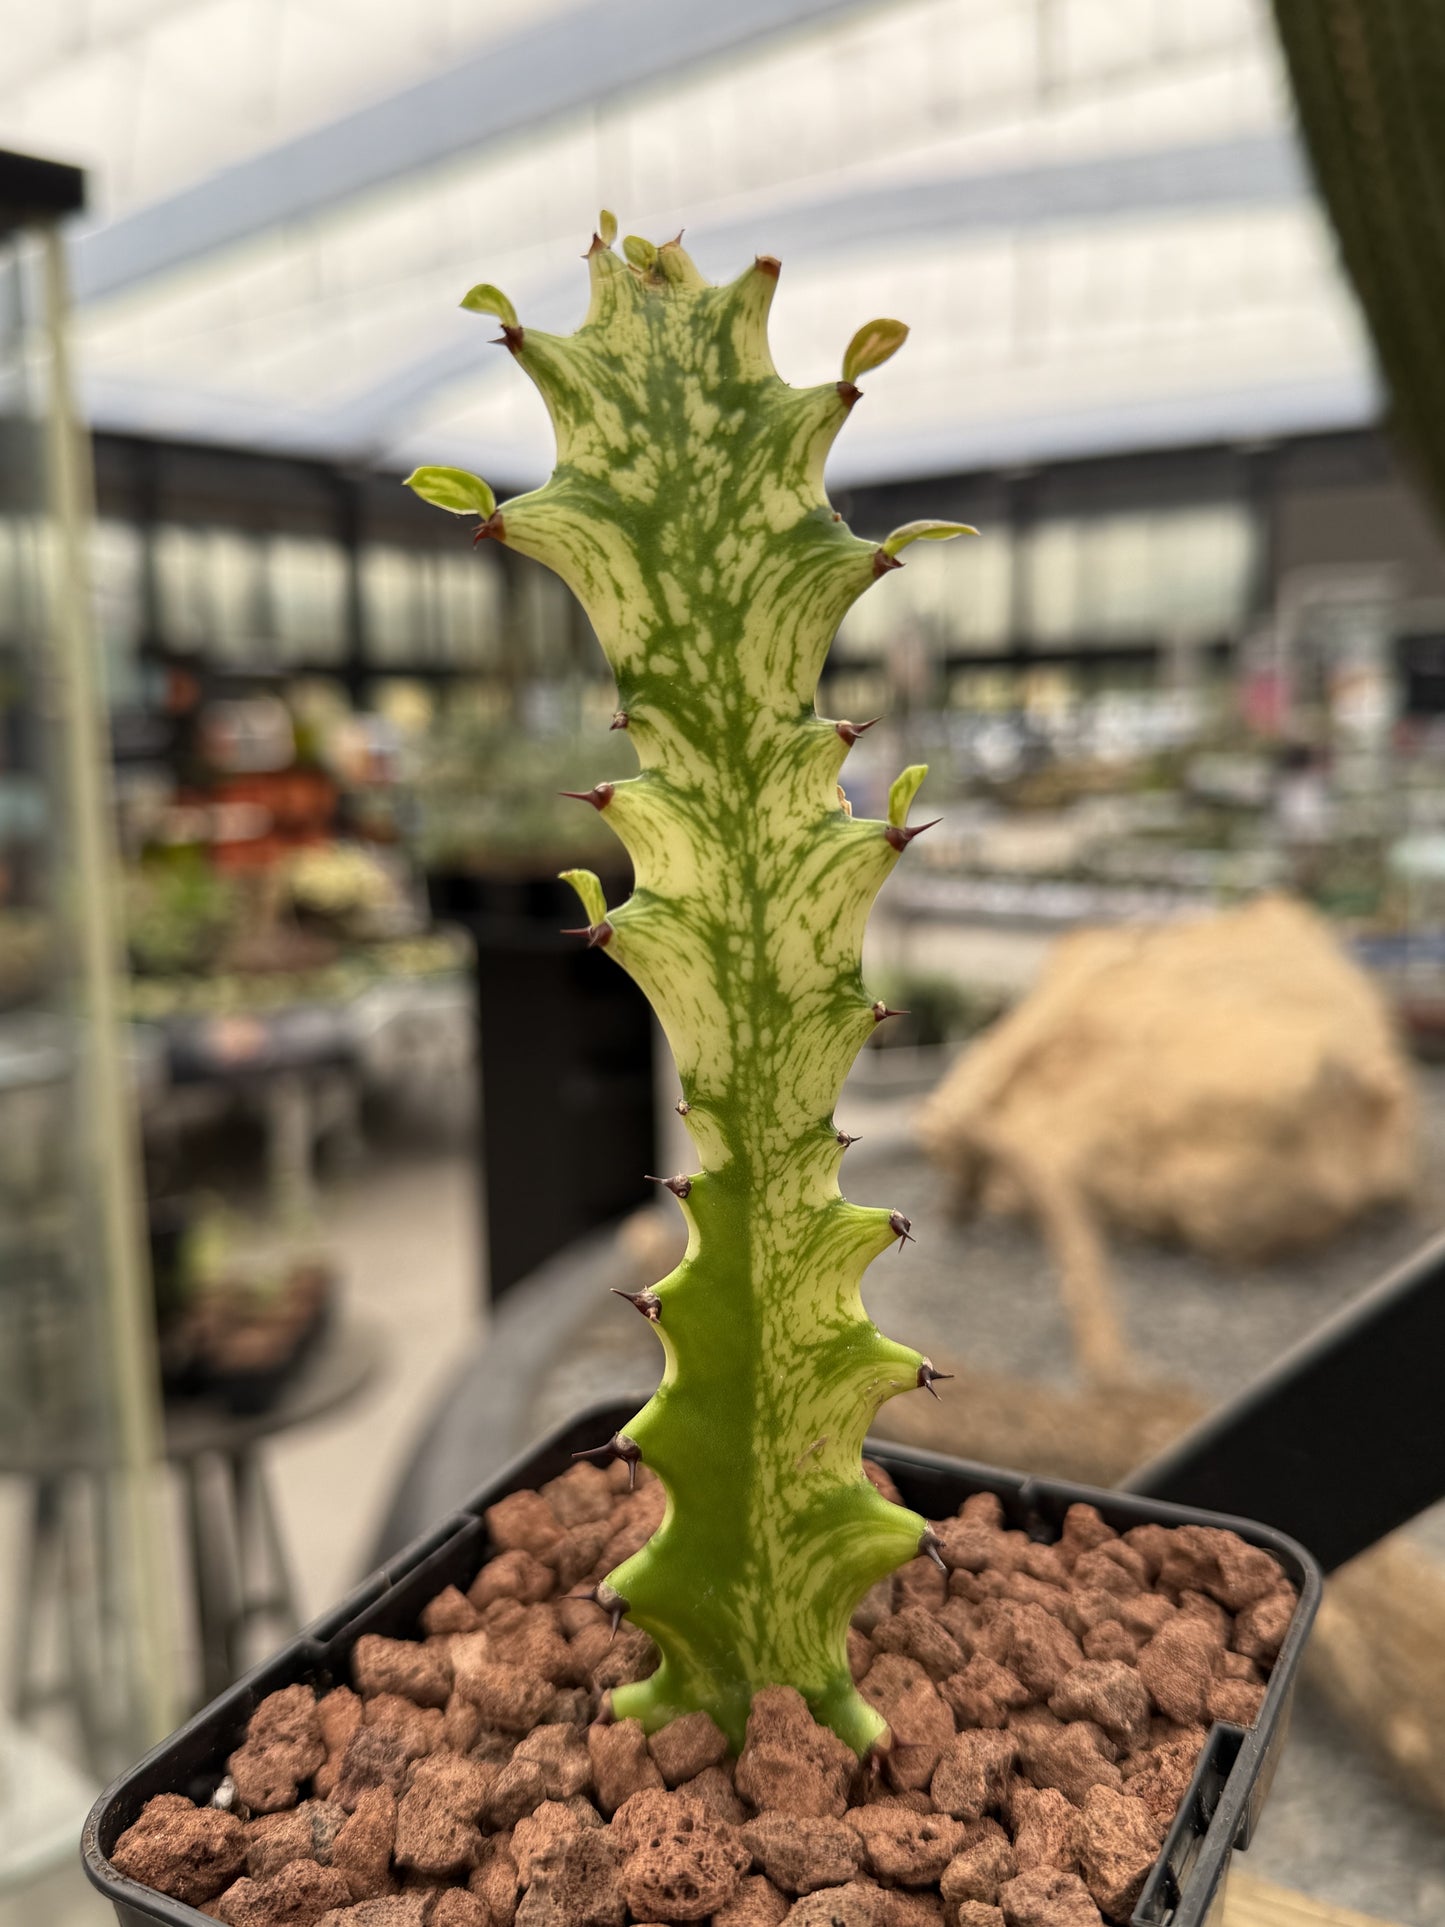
(182, 588)
(469, 606)
(1139, 576)
(117, 574)
(393, 604)
(237, 595)
(306, 578)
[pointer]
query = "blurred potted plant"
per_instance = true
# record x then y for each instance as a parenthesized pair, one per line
(784, 1611)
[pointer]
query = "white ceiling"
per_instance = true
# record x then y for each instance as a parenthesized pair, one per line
(1090, 211)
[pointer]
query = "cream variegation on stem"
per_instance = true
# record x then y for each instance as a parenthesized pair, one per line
(687, 512)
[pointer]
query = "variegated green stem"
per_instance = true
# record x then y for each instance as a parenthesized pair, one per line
(687, 511)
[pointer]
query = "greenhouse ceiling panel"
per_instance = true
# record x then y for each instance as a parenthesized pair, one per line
(1091, 212)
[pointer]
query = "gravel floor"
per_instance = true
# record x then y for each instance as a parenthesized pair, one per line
(984, 1292)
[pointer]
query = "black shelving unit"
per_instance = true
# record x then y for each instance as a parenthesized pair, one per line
(567, 1069)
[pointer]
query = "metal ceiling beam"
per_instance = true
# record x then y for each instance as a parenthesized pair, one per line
(1266, 411)
(574, 60)
(1259, 171)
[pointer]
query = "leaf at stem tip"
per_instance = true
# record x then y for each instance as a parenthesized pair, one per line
(588, 886)
(607, 226)
(642, 254)
(453, 489)
(874, 343)
(925, 532)
(485, 299)
(902, 792)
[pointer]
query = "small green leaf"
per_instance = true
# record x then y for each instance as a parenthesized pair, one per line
(925, 532)
(454, 490)
(903, 791)
(874, 343)
(642, 254)
(588, 886)
(485, 299)
(607, 226)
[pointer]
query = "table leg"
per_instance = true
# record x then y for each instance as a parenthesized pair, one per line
(42, 1551)
(290, 1147)
(265, 1591)
(212, 1579)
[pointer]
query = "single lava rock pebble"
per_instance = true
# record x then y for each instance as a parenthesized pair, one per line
(1043, 1823)
(575, 1884)
(1108, 1692)
(411, 1670)
(297, 1896)
(858, 1904)
(900, 1845)
(363, 1847)
(918, 1719)
(621, 1763)
(1047, 1900)
(191, 1853)
(973, 1774)
(756, 1903)
(1118, 1841)
(391, 1910)
(683, 1869)
(791, 1764)
(799, 1853)
(686, 1747)
(283, 1747)
(981, 1865)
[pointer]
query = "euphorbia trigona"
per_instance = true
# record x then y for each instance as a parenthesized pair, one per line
(687, 512)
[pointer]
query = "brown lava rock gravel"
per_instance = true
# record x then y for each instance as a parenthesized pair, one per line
(1047, 1704)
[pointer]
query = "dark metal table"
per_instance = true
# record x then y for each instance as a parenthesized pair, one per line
(238, 1578)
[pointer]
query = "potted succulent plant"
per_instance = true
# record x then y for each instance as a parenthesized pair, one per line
(717, 1668)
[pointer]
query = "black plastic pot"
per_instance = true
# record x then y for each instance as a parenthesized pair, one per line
(1185, 1889)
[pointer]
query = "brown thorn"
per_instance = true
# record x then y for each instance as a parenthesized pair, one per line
(620, 720)
(849, 393)
(682, 1107)
(612, 1603)
(599, 796)
(619, 1446)
(650, 1305)
(597, 934)
(514, 335)
(679, 1186)
(493, 528)
(768, 264)
(928, 1376)
(899, 835)
(844, 1139)
(931, 1546)
(902, 1228)
(881, 1010)
(883, 562)
(850, 732)
(598, 245)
